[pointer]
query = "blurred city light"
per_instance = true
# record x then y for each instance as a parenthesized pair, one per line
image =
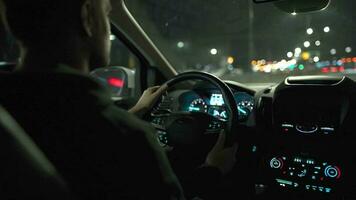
(310, 31)
(230, 60)
(180, 44)
(290, 54)
(317, 43)
(316, 59)
(305, 56)
(298, 50)
(112, 37)
(306, 44)
(213, 51)
(333, 51)
(301, 67)
(294, 13)
(348, 49)
(326, 29)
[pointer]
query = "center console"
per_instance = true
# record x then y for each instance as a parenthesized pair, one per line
(307, 137)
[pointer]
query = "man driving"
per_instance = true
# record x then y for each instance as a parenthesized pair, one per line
(103, 152)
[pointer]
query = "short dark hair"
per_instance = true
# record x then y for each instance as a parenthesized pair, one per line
(37, 22)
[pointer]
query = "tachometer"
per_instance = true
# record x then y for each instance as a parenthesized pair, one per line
(245, 104)
(198, 105)
(244, 109)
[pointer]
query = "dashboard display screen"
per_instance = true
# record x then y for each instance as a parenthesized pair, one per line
(212, 102)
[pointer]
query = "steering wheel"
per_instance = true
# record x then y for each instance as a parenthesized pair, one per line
(182, 129)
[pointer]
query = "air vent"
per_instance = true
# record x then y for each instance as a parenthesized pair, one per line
(313, 80)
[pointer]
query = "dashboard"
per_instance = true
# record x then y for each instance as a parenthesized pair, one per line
(211, 101)
(302, 132)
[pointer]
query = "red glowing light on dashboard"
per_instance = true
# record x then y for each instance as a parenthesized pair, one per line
(116, 82)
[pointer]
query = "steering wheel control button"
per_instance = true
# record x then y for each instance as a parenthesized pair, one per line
(307, 129)
(332, 172)
(287, 127)
(276, 163)
(327, 130)
(162, 138)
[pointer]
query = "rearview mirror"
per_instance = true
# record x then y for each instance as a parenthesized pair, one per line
(119, 80)
(298, 6)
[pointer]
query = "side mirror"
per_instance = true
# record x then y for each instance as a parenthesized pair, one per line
(119, 80)
(298, 6)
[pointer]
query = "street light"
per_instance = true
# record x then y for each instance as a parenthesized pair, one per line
(326, 29)
(316, 59)
(180, 44)
(306, 44)
(112, 37)
(310, 31)
(298, 50)
(317, 43)
(333, 51)
(230, 60)
(348, 49)
(213, 51)
(289, 54)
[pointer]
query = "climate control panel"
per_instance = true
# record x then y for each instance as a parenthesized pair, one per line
(304, 173)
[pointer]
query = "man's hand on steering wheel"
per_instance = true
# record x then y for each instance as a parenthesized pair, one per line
(148, 99)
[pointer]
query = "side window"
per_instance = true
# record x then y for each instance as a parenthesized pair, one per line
(121, 77)
(9, 51)
(122, 56)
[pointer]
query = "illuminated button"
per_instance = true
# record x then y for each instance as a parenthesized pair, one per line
(306, 129)
(327, 130)
(321, 189)
(307, 187)
(327, 190)
(332, 172)
(302, 173)
(276, 163)
(287, 126)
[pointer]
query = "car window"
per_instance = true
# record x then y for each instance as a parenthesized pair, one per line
(9, 52)
(120, 54)
(251, 43)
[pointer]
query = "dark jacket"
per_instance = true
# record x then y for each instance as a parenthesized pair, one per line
(103, 152)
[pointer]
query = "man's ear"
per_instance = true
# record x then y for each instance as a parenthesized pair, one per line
(87, 18)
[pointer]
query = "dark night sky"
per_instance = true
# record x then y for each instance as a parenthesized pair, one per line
(225, 25)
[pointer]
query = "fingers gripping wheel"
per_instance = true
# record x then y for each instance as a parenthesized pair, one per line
(228, 97)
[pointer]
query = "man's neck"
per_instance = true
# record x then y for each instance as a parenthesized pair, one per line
(47, 59)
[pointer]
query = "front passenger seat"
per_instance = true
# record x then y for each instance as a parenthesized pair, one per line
(25, 172)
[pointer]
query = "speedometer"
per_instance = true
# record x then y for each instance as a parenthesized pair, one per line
(198, 105)
(245, 105)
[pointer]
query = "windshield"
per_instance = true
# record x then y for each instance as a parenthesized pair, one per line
(250, 43)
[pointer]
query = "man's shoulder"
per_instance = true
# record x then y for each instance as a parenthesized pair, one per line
(130, 123)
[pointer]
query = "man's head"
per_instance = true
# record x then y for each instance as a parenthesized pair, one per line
(80, 27)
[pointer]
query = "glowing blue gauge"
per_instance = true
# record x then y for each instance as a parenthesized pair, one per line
(198, 105)
(245, 104)
(332, 172)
